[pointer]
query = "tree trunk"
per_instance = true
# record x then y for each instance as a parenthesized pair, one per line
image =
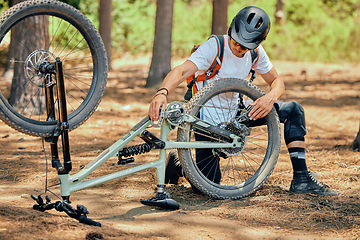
(105, 18)
(280, 12)
(355, 146)
(219, 17)
(161, 58)
(9, 72)
(23, 92)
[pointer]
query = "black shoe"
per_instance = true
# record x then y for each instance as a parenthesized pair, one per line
(173, 168)
(304, 182)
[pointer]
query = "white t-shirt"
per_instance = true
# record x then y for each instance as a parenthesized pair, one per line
(232, 67)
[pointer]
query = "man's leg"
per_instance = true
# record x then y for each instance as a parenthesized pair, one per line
(173, 170)
(296, 150)
(293, 117)
(207, 162)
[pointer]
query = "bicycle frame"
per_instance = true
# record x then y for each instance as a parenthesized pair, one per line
(70, 183)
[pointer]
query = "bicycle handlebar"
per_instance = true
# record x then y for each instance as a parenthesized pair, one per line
(88, 221)
(62, 206)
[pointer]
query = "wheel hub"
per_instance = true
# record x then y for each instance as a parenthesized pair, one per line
(239, 130)
(38, 64)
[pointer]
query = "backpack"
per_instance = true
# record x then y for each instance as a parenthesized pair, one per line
(214, 67)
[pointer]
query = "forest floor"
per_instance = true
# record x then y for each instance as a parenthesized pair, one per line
(330, 94)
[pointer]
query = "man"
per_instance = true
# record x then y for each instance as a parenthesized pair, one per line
(248, 29)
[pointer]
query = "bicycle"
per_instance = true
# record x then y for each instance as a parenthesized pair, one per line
(247, 150)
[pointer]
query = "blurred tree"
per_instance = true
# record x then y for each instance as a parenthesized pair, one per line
(161, 58)
(22, 93)
(355, 146)
(219, 17)
(280, 12)
(105, 22)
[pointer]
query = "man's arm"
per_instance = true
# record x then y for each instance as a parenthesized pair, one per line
(262, 106)
(171, 81)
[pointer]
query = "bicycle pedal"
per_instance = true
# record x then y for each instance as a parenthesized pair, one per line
(162, 200)
(164, 203)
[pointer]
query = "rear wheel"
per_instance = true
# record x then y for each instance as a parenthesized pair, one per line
(32, 35)
(230, 172)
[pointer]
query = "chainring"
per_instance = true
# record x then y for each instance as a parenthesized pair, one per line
(175, 113)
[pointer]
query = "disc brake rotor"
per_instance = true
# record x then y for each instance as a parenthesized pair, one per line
(239, 130)
(36, 66)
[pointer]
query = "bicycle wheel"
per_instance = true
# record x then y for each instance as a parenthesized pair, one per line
(33, 34)
(230, 172)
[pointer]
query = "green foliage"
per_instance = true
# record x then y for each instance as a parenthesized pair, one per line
(191, 25)
(133, 25)
(322, 30)
(4, 5)
(66, 35)
(315, 31)
(90, 8)
(74, 3)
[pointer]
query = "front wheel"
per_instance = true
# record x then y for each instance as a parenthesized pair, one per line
(230, 172)
(32, 35)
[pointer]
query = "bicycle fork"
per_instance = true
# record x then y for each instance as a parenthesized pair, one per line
(63, 126)
(50, 69)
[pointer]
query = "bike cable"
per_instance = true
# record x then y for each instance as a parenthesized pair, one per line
(46, 174)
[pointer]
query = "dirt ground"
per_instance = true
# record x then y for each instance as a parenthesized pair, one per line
(330, 94)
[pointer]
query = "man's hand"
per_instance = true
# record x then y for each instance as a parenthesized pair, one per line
(261, 107)
(176, 76)
(158, 102)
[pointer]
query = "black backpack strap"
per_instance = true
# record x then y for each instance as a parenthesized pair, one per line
(254, 56)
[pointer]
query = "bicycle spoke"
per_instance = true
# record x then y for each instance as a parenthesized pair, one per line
(229, 172)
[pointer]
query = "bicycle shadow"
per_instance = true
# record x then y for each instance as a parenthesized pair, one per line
(184, 195)
(190, 201)
(136, 212)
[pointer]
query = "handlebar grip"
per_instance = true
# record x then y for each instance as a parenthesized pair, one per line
(86, 220)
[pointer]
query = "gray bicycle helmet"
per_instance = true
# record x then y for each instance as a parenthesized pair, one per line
(250, 27)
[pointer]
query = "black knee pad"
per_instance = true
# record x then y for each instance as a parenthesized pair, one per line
(293, 117)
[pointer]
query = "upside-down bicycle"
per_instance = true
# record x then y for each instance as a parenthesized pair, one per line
(53, 76)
